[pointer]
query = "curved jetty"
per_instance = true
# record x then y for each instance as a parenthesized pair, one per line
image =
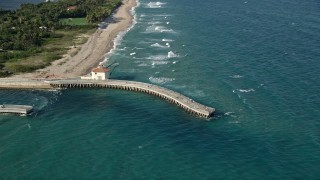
(169, 95)
(176, 98)
(15, 109)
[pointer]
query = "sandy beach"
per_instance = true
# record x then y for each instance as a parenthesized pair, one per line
(90, 53)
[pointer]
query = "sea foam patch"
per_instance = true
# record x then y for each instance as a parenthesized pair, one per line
(159, 45)
(155, 4)
(157, 57)
(118, 39)
(160, 80)
(244, 90)
(172, 54)
(159, 63)
(158, 29)
(236, 76)
(155, 22)
(167, 40)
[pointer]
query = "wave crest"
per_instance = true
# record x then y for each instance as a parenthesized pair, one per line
(160, 80)
(155, 4)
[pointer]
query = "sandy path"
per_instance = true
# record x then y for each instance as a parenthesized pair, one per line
(92, 52)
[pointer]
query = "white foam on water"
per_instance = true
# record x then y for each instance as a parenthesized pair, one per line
(118, 39)
(137, 58)
(174, 62)
(163, 57)
(162, 15)
(168, 44)
(236, 76)
(172, 54)
(137, 48)
(167, 40)
(122, 49)
(166, 30)
(158, 45)
(158, 29)
(159, 63)
(155, 22)
(231, 114)
(116, 42)
(246, 90)
(157, 57)
(143, 65)
(228, 113)
(160, 80)
(131, 54)
(156, 4)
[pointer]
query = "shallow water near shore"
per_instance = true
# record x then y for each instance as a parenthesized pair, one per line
(255, 62)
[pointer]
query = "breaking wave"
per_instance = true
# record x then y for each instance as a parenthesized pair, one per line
(158, 29)
(167, 40)
(159, 63)
(172, 54)
(159, 45)
(236, 76)
(245, 90)
(118, 39)
(155, 4)
(160, 80)
(155, 22)
(157, 57)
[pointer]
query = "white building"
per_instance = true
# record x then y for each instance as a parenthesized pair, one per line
(98, 73)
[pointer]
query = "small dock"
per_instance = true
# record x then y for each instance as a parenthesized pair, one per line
(15, 109)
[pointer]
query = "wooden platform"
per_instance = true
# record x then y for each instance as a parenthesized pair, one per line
(15, 109)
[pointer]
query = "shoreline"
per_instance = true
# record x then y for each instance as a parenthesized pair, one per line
(99, 45)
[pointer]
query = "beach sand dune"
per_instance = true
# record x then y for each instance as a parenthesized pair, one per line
(90, 53)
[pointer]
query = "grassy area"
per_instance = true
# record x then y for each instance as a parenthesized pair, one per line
(52, 49)
(74, 21)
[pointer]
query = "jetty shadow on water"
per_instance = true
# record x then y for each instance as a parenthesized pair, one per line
(129, 78)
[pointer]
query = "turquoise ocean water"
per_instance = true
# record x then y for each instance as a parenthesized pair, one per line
(256, 62)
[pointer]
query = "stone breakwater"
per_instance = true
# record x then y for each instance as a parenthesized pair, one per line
(173, 97)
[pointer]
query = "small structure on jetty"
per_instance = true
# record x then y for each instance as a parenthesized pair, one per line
(15, 109)
(98, 73)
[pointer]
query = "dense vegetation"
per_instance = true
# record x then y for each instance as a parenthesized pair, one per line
(29, 30)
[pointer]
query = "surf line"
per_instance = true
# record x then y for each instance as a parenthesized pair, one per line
(173, 97)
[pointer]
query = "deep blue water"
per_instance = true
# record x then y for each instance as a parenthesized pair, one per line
(257, 63)
(14, 4)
